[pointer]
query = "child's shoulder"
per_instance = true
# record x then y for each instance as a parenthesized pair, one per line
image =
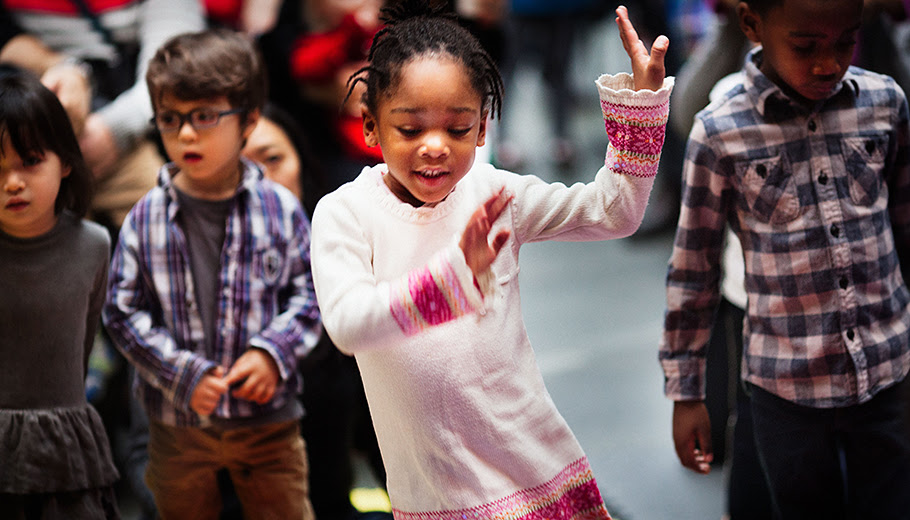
(874, 86)
(90, 236)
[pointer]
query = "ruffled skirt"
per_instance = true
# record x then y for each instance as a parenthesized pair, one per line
(54, 450)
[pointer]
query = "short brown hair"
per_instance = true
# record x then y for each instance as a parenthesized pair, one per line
(209, 64)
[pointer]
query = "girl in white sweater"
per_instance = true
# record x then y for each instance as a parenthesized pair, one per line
(415, 265)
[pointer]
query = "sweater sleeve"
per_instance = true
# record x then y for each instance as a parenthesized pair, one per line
(612, 206)
(360, 312)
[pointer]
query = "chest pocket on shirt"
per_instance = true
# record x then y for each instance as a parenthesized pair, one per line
(268, 265)
(769, 189)
(864, 158)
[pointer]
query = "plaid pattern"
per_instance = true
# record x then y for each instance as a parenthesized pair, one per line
(820, 199)
(267, 299)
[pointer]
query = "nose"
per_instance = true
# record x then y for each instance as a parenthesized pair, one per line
(186, 132)
(826, 66)
(13, 183)
(434, 146)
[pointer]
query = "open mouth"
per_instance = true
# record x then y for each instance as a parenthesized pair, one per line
(192, 157)
(431, 174)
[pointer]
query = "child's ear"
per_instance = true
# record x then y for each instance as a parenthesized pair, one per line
(370, 135)
(252, 118)
(65, 170)
(482, 135)
(749, 22)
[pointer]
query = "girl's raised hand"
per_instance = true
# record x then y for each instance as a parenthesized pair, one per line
(647, 68)
(479, 250)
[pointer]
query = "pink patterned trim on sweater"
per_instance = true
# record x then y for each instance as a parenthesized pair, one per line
(636, 137)
(570, 495)
(428, 296)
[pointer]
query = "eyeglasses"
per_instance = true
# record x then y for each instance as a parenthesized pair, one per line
(198, 118)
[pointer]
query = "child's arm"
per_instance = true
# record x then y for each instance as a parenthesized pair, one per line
(99, 292)
(361, 312)
(295, 330)
(898, 178)
(692, 295)
(635, 109)
(130, 315)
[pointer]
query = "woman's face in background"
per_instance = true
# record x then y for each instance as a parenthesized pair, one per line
(270, 146)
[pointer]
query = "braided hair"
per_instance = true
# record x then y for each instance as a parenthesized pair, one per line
(415, 28)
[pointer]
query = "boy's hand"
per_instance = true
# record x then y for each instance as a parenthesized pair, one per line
(692, 435)
(647, 69)
(479, 252)
(259, 376)
(208, 392)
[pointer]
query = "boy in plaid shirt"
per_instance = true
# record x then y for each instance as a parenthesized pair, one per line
(807, 161)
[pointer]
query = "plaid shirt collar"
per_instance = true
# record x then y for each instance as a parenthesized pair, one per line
(767, 97)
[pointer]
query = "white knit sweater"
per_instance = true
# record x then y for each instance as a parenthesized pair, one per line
(464, 422)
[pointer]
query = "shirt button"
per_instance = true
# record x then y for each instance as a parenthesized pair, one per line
(823, 178)
(835, 231)
(812, 126)
(850, 334)
(843, 283)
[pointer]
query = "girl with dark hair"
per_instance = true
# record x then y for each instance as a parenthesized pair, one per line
(415, 265)
(54, 452)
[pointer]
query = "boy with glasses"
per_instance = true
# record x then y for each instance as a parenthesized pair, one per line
(210, 296)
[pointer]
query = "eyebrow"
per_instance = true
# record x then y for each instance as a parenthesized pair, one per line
(801, 34)
(409, 110)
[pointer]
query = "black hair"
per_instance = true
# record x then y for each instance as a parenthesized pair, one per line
(761, 7)
(209, 64)
(312, 174)
(421, 27)
(33, 119)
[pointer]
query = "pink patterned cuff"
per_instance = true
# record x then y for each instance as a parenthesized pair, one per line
(636, 137)
(429, 296)
(572, 495)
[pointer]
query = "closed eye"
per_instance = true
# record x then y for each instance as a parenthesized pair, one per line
(409, 132)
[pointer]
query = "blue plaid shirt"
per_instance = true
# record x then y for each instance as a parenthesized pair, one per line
(819, 198)
(266, 298)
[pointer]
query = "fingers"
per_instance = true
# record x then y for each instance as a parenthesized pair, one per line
(208, 392)
(692, 435)
(256, 375)
(648, 69)
(240, 371)
(496, 204)
(627, 31)
(656, 69)
(255, 389)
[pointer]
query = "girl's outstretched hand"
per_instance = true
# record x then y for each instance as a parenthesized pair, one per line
(647, 68)
(479, 250)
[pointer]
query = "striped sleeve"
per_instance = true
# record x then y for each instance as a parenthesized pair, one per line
(636, 124)
(439, 292)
